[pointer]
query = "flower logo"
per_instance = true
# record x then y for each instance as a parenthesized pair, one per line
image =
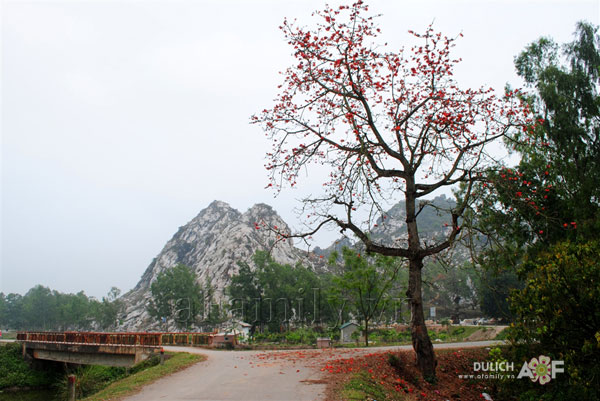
(541, 369)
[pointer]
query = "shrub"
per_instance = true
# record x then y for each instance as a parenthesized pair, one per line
(458, 330)
(90, 379)
(558, 315)
(15, 372)
(395, 362)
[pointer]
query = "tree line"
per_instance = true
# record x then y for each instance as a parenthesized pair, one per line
(44, 309)
(275, 297)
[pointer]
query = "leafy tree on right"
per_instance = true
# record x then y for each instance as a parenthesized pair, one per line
(540, 219)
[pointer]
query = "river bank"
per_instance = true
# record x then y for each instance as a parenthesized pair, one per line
(22, 381)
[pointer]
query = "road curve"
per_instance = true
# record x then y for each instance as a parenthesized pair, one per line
(291, 375)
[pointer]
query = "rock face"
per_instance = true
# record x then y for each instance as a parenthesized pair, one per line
(212, 244)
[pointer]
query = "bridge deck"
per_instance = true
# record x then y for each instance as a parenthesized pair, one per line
(97, 348)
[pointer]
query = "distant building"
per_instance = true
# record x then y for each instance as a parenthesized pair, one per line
(346, 332)
(242, 329)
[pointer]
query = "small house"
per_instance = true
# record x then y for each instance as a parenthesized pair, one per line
(346, 331)
(323, 342)
(242, 329)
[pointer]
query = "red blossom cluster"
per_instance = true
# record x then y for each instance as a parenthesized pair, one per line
(374, 116)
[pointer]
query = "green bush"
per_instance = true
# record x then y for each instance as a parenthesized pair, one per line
(15, 372)
(302, 336)
(558, 315)
(90, 379)
(457, 331)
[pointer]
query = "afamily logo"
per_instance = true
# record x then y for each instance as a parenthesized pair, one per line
(541, 369)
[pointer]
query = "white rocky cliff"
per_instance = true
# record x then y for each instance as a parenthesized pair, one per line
(212, 244)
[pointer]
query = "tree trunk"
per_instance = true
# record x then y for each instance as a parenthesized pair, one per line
(420, 339)
(366, 333)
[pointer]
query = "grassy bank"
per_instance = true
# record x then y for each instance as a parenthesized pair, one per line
(361, 386)
(135, 381)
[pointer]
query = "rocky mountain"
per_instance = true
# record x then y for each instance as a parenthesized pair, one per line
(212, 244)
(219, 237)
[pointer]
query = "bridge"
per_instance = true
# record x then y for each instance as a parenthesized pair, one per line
(109, 349)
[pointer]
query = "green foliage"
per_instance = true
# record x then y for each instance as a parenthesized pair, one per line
(93, 378)
(365, 282)
(89, 380)
(362, 387)
(110, 308)
(458, 330)
(148, 363)
(15, 372)
(277, 296)
(558, 315)
(563, 155)
(175, 296)
(301, 336)
(494, 291)
(552, 194)
(44, 309)
(211, 314)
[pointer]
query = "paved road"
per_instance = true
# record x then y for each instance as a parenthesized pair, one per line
(292, 375)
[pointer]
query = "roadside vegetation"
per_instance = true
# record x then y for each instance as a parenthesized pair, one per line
(307, 337)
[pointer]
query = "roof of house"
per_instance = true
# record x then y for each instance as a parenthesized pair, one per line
(348, 324)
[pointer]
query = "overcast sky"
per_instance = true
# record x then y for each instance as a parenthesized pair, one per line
(121, 120)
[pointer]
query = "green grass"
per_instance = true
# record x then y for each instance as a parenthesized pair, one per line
(458, 335)
(133, 383)
(362, 387)
(503, 335)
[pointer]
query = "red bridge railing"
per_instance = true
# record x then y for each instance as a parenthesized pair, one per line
(143, 339)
